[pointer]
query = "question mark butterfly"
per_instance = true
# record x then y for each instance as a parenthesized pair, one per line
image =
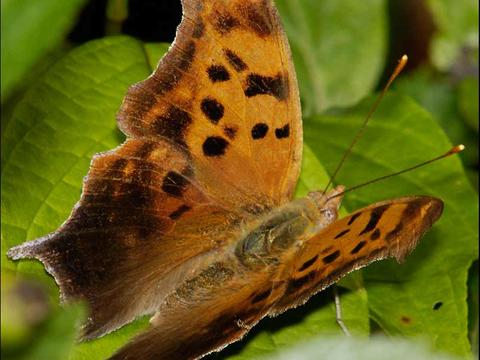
(192, 219)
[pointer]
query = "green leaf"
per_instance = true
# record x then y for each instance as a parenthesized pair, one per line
(105, 346)
(456, 29)
(377, 348)
(468, 101)
(29, 29)
(62, 326)
(402, 298)
(41, 66)
(338, 58)
(31, 328)
(437, 94)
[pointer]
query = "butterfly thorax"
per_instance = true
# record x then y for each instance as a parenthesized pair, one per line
(287, 226)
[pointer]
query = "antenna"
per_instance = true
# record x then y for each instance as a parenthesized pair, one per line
(401, 64)
(452, 151)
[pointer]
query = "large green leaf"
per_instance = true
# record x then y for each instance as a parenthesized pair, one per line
(32, 327)
(429, 291)
(376, 348)
(468, 101)
(452, 109)
(29, 29)
(448, 105)
(338, 48)
(456, 30)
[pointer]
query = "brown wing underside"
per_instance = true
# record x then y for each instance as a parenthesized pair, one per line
(382, 230)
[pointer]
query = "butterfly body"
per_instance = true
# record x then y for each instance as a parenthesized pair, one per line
(285, 227)
(267, 246)
(191, 219)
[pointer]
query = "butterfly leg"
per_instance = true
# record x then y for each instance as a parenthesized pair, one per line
(338, 312)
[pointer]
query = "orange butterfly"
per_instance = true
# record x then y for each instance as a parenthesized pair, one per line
(192, 218)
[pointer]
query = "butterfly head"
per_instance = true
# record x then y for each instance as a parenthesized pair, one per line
(327, 203)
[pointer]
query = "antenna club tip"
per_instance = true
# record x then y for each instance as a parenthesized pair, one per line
(457, 149)
(404, 58)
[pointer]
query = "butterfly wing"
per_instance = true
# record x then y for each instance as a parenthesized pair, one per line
(196, 321)
(214, 137)
(141, 226)
(386, 229)
(227, 93)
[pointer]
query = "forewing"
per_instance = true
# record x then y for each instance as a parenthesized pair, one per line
(227, 93)
(386, 229)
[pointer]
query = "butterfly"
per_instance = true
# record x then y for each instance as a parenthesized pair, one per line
(192, 218)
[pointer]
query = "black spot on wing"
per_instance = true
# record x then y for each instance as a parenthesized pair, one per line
(224, 22)
(308, 263)
(212, 109)
(341, 233)
(332, 257)
(375, 235)
(135, 195)
(375, 216)
(215, 146)
(359, 247)
(266, 85)
(353, 218)
(259, 131)
(283, 132)
(179, 212)
(173, 124)
(218, 73)
(295, 284)
(256, 18)
(174, 184)
(394, 233)
(145, 150)
(118, 166)
(262, 296)
(235, 61)
(413, 209)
